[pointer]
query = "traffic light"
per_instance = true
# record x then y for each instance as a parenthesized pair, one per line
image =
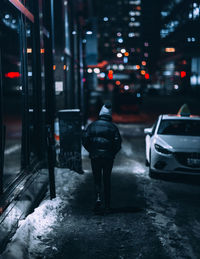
(183, 74)
(110, 74)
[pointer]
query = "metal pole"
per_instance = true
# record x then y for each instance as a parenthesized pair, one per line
(37, 87)
(72, 59)
(50, 94)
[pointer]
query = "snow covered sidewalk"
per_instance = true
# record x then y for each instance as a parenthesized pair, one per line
(32, 232)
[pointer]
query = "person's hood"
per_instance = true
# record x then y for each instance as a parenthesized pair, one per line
(106, 110)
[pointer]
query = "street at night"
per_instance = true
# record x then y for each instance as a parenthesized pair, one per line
(99, 129)
(150, 218)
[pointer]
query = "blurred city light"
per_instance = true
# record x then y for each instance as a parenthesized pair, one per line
(89, 70)
(96, 70)
(119, 55)
(120, 40)
(126, 87)
(88, 32)
(183, 74)
(117, 82)
(170, 49)
(12, 75)
(110, 74)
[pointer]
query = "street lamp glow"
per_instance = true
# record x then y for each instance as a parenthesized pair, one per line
(131, 13)
(121, 67)
(88, 32)
(119, 55)
(96, 70)
(131, 34)
(102, 75)
(126, 87)
(123, 50)
(120, 40)
(89, 70)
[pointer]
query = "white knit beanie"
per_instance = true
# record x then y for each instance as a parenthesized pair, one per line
(106, 110)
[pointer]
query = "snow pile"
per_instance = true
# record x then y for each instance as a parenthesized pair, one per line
(36, 227)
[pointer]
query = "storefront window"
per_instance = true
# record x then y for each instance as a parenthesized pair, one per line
(12, 92)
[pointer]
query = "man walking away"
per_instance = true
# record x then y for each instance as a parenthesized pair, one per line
(102, 140)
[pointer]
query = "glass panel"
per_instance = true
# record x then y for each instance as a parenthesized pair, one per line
(29, 50)
(12, 86)
(180, 127)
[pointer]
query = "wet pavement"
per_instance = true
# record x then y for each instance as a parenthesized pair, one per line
(150, 218)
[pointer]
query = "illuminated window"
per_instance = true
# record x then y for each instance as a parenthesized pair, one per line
(170, 49)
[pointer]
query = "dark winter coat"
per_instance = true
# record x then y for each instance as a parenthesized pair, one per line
(102, 138)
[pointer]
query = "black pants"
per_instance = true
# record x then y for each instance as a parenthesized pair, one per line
(102, 166)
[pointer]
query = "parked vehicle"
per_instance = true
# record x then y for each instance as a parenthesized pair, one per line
(173, 145)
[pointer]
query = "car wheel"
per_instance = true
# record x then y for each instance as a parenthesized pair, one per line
(152, 173)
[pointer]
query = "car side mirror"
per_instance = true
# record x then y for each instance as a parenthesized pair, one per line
(148, 131)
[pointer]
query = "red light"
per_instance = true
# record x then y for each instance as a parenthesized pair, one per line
(110, 74)
(117, 82)
(147, 76)
(183, 74)
(13, 75)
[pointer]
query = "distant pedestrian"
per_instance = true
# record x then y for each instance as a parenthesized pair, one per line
(102, 140)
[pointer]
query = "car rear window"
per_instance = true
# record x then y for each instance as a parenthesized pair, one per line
(180, 127)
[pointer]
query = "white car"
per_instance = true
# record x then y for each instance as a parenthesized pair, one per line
(173, 145)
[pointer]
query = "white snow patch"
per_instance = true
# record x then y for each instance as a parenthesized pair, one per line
(29, 237)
